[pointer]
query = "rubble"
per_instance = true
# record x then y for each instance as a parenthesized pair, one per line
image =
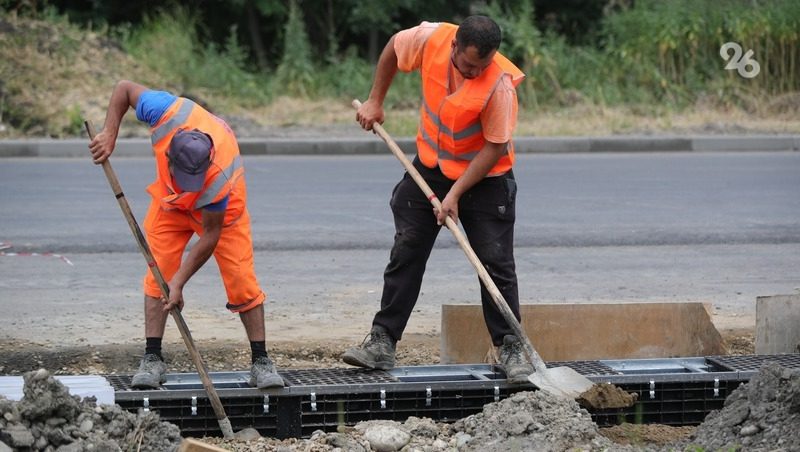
(762, 415)
(531, 421)
(49, 418)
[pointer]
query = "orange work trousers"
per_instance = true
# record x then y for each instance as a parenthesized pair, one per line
(169, 231)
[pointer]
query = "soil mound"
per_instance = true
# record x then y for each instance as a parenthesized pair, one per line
(606, 395)
(49, 418)
(532, 421)
(762, 415)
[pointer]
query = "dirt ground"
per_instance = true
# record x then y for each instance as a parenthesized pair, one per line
(17, 357)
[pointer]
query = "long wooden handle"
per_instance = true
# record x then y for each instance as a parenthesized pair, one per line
(497, 297)
(224, 423)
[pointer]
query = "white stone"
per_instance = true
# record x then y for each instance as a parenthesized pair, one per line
(462, 439)
(384, 438)
(247, 434)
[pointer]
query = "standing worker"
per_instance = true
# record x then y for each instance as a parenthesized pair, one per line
(465, 153)
(199, 188)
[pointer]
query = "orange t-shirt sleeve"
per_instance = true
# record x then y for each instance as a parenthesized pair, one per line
(409, 43)
(499, 117)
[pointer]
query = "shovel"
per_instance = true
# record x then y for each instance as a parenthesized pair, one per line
(216, 403)
(560, 381)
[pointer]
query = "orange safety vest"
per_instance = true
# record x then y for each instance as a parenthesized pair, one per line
(225, 176)
(450, 132)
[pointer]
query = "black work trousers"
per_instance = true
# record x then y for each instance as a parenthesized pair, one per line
(486, 212)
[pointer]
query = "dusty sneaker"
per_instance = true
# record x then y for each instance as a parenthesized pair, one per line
(514, 361)
(152, 372)
(263, 374)
(375, 352)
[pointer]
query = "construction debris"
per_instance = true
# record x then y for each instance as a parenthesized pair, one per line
(763, 414)
(49, 418)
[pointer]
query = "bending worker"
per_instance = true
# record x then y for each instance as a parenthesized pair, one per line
(465, 153)
(199, 189)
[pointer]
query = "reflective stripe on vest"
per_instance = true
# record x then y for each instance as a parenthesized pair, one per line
(466, 132)
(215, 188)
(173, 123)
(444, 154)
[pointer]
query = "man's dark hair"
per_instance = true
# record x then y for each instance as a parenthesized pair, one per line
(481, 32)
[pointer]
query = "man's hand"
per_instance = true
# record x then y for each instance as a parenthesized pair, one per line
(175, 297)
(198, 255)
(449, 209)
(369, 113)
(125, 95)
(102, 146)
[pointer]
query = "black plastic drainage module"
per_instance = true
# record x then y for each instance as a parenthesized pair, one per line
(671, 391)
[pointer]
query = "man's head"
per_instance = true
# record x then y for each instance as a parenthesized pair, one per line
(189, 157)
(477, 40)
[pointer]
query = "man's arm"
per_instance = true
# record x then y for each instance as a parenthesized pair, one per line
(125, 95)
(478, 168)
(199, 254)
(372, 110)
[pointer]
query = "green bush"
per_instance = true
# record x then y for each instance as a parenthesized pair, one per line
(672, 48)
(169, 44)
(295, 74)
(657, 52)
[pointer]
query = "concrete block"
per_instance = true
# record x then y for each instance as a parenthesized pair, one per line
(778, 324)
(566, 332)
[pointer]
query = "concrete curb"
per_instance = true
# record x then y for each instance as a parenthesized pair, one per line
(133, 147)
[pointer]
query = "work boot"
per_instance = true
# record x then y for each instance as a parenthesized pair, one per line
(513, 360)
(375, 352)
(263, 374)
(152, 372)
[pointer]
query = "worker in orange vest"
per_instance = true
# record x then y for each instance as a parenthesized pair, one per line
(199, 189)
(465, 153)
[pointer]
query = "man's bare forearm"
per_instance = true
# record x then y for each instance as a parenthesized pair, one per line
(479, 167)
(385, 71)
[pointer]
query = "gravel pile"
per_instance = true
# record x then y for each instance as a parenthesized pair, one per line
(525, 421)
(762, 415)
(49, 418)
(531, 421)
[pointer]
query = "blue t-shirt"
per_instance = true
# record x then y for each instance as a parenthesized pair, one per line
(218, 206)
(150, 107)
(153, 104)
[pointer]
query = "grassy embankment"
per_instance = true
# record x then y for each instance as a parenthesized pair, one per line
(653, 69)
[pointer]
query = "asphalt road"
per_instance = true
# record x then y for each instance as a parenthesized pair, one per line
(716, 227)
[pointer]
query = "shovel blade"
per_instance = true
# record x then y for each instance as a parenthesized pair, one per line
(561, 381)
